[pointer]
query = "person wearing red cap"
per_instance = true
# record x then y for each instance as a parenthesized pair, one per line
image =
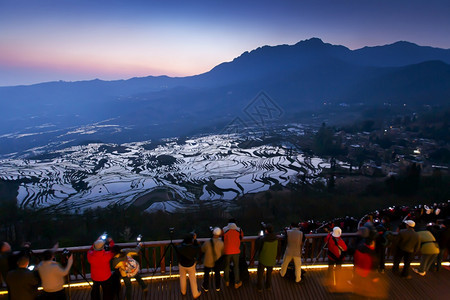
(99, 259)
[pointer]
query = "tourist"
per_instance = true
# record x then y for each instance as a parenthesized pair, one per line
(22, 283)
(128, 267)
(336, 252)
(365, 277)
(99, 258)
(408, 243)
(444, 242)
(429, 250)
(52, 275)
(267, 246)
(5, 254)
(232, 236)
(188, 253)
(213, 251)
(381, 242)
(293, 251)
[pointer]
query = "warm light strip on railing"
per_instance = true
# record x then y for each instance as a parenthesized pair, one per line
(251, 270)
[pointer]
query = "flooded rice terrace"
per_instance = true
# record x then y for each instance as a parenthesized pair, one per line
(170, 175)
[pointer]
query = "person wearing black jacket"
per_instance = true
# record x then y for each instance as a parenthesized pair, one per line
(22, 283)
(188, 253)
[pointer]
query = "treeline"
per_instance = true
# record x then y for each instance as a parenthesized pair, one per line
(279, 206)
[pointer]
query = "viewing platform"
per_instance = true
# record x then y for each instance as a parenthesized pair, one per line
(164, 281)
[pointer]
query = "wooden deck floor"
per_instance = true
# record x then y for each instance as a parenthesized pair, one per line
(435, 285)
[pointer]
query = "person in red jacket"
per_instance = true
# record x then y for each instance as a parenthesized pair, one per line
(232, 236)
(366, 281)
(336, 251)
(99, 259)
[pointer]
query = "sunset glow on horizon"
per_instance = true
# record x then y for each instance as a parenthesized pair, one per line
(52, 40)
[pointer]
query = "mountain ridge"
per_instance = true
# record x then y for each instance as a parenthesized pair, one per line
(297, 77)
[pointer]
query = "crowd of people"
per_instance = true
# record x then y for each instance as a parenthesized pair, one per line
(222, 252)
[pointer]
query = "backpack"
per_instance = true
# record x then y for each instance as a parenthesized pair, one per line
(131, 267)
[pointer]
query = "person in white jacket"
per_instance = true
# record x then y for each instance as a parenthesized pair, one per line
(52, 275)
(293, 251)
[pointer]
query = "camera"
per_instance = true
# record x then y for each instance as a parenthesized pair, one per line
(139, 238)
(104, 236)
(263, 228)
(66, 253)
(30, 267)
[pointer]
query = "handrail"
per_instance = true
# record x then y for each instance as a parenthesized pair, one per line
(151, 261)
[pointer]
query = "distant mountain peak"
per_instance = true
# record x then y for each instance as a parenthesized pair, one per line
(312, 41)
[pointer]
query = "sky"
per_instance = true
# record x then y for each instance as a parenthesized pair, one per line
(70, 40)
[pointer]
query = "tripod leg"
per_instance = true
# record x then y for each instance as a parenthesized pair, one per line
(68, 286)
(170, 260)
(162, 257)
(84, 277)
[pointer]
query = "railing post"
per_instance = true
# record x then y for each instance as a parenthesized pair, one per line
(163, 260)
(252, 253)
(83, 269)
(154, 258)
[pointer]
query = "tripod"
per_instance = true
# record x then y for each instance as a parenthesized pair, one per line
(68, 277)
(171, 246)
(317, 257)
(81, 274)
(145, 258)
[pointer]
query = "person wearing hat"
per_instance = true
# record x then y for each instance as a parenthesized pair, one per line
(336, 250)
(232, 236)
(99, 260)
(213, 250)
(408, 243)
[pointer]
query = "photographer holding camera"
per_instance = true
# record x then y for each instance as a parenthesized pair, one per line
(293, 251)
(99, 259)
(52, 275)
(22, 282)
(188, 253)
(128, 267)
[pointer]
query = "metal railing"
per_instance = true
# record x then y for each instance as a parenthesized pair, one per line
(151, 260)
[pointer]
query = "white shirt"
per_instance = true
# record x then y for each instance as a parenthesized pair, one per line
(52, 275)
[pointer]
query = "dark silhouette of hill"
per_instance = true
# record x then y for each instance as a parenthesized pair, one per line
(298, 77)
(399, 54)
(423, 83)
